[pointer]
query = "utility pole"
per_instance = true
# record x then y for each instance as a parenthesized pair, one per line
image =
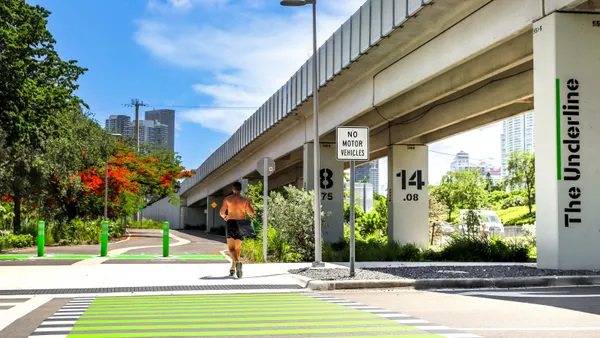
(137, 103)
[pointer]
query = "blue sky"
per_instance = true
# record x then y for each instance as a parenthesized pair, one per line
(187, 54)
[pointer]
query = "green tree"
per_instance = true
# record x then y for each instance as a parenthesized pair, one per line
(446, 193)
(521, 173)
(36, 88)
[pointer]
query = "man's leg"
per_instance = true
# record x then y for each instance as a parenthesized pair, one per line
(232, 252)
(238, 250)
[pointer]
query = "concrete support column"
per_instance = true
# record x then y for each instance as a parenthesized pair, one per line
(408, 202)
(332, 188)
(213, 219)
(567, 120)
(244, 182)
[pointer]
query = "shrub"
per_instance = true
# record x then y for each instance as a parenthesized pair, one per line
(475, 249)
(15, 241)
(291, 216)
(146, 224)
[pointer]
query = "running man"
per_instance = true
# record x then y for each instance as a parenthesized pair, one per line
(236, 207)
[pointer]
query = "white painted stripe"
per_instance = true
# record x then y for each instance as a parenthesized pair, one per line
(50, 336)
(61, 322)
(21, 310)
(570, 328)
(64, 317)
(412, 321)
(75, 306)
(459, 335)
(9, 304)
(53, 329)
(432, 327)
(392, 315)
(84, 298)
(87, 302)
(68, 313)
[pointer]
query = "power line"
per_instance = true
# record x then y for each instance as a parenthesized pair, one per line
(205, 107)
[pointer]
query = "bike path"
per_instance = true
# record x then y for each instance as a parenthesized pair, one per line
(228, 315)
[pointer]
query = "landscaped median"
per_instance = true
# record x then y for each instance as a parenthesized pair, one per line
(437, 276)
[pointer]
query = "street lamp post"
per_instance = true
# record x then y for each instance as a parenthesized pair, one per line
(106, 184)
(316, 152)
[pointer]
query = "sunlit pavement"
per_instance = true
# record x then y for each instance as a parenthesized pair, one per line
(523, 313)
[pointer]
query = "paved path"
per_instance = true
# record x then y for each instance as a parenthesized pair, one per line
(272, 315)
(515, 313)
(140, 246)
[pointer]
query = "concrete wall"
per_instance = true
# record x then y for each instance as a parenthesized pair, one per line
(164, 211)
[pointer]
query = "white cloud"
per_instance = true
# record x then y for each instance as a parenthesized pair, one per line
(181, 6)
(250, 54)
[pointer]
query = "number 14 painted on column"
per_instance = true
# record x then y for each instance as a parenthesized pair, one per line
(416, 180)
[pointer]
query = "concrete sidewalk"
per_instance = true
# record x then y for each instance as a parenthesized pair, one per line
(155, 277)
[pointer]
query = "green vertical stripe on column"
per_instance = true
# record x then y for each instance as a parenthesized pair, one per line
(558, 149)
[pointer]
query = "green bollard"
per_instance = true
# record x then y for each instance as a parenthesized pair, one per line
(166, 239)
(104, 240)
(41, 238)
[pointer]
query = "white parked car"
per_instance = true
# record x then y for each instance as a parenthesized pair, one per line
(489, 221)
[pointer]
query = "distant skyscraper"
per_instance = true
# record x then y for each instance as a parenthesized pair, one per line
(370, 171)
(118, 124)
(165, 117)
(518, 133)
(152, 132)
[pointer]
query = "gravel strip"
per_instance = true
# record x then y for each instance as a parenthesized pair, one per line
(438, 272)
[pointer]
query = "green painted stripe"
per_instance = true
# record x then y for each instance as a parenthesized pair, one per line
(57, 256)
(558, 134)
(204, 299)
(228, 319)
(201, 303)
(213, 313)
(249, 333)
(212, 308)
(200, 334)
(13, 257)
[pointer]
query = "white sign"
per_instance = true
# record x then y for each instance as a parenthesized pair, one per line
(352, 143)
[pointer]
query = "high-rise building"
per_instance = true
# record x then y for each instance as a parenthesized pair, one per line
(370, 172)
(151, 132)
(483, 166)
(165, 117)
(118, 124)
(518, 133)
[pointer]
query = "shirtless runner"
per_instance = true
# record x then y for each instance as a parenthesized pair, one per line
(236, 206)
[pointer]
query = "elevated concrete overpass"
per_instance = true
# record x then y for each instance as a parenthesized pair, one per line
(415, 72)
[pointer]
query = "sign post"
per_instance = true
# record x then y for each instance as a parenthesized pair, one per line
(166, 227)
(104, 240)
(265, 167)
(352, 145)
(41, 238)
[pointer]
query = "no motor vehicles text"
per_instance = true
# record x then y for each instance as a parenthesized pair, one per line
(352, 143)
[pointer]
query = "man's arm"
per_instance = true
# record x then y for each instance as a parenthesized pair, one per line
(223, 209)
(249, 209)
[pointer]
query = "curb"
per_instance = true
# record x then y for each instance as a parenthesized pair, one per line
(447, 283)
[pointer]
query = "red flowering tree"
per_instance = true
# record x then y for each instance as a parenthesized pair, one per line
(132, 180)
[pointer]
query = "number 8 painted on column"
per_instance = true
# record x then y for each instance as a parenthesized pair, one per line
(326, 181)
